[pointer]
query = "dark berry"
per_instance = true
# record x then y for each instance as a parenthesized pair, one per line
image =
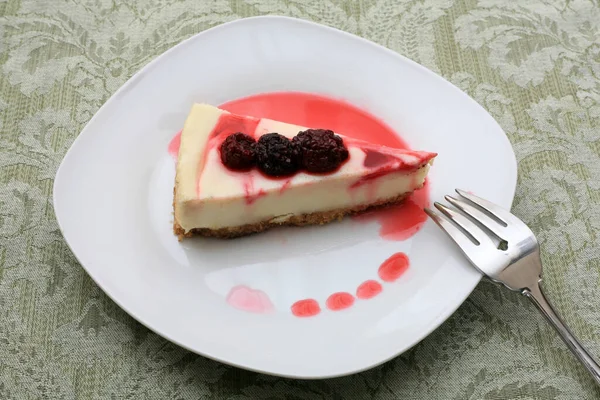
(322, 150)
(276, 155)
(238, 151)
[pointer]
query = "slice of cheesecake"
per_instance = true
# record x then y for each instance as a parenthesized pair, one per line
(229, 195)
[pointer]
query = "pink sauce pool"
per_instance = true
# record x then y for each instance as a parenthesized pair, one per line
(248, 299)
(402, 221)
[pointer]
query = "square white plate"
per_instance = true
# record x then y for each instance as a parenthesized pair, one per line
(113, 194)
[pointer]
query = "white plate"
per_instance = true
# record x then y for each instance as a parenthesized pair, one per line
(113, 193)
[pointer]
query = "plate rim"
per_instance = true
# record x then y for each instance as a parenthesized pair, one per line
(440, 318)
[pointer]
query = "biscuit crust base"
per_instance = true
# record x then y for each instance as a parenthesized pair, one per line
(316, 218)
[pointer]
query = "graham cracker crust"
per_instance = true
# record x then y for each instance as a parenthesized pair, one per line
(316, 218)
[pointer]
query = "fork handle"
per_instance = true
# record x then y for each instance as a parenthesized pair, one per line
(536, 295)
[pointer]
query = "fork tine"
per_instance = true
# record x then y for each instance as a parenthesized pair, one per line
(466, 224)
(502, 215)
(451, 230)
(489, 223)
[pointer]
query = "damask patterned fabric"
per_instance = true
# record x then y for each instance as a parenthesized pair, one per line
(533, 64)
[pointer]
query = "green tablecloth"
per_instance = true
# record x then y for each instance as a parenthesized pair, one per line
(534, 65)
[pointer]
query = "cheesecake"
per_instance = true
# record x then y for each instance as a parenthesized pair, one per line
(238, 175)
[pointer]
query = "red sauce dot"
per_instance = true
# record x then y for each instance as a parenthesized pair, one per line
(339, 301)
(306, 308)
(368, 289)
(393, 267)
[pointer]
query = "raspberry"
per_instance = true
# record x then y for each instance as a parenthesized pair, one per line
(322, 150)
(238, 151)
(276, 155)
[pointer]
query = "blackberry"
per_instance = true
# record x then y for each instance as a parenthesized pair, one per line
(238, 151)
(322, 150)
(276, 155)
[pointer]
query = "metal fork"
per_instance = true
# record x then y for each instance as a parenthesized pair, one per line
(505, 250)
